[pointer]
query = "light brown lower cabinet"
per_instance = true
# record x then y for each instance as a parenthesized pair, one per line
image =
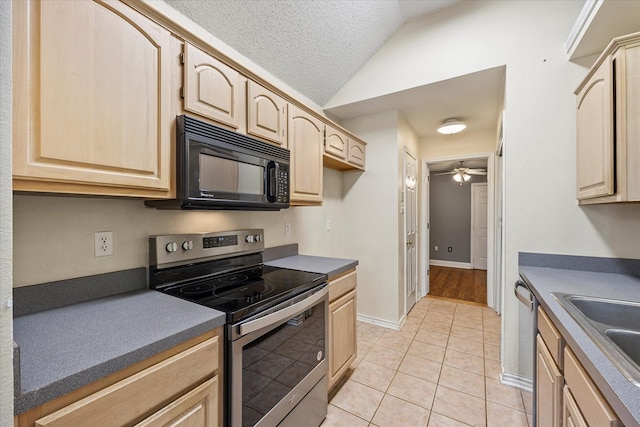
(179, 387)
(566, 396)
(343, 337)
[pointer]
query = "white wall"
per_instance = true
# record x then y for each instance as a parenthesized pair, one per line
(6, 313)
(527, 37)
(371, 218)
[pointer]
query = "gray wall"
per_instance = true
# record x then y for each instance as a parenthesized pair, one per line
(450, 218)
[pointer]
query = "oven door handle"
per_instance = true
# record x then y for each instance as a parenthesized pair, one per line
(284, 314)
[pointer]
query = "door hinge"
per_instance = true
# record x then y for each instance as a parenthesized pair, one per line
(428, 272)
(428, 225)
(182, 58)
(182, 92)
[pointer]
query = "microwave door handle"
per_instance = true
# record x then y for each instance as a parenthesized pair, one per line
(272, 181)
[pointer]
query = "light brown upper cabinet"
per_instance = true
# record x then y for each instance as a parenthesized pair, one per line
(266, 114)
(92, 99)
(213, 89)
(341, 151)
(306, 137)
(608, 126)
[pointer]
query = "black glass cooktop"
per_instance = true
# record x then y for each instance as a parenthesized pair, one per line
(247, 291)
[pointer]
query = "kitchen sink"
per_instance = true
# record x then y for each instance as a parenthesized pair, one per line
(613, 325)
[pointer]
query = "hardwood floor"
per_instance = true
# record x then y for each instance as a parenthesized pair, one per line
(458, 283)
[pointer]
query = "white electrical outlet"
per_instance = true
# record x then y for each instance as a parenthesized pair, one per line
(328, 225)
(287, 229)
(103, 243)
(436, 248)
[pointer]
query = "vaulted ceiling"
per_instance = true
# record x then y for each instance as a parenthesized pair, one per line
(316, 46)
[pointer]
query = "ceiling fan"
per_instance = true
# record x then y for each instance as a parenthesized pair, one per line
(462, 174)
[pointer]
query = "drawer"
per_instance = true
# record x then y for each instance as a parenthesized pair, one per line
(593, 406)
(137, 395)
(550, 336)
(342, 285)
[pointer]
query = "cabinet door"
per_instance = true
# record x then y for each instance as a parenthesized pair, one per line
(305, 142)
(335, 143)
(92, 99)
(198, 408)
(212, 89)
(266, 114)
(571, 416)
(342, 336)
(595, 135)
(356, 153)
(549, 382)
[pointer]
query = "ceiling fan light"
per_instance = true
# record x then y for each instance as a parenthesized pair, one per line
(466, 177)
(457, 177)
(451, 126)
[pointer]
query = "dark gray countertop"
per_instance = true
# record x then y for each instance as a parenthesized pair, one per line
(64, 348)
(329, 266)
(623, 396)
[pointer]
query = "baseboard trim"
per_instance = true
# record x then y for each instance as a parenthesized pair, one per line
(380, 322)
(513, 380)
(452, 264)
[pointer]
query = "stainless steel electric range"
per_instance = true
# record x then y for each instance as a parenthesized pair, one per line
(276, 332)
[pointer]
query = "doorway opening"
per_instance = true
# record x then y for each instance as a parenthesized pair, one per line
(458, 257)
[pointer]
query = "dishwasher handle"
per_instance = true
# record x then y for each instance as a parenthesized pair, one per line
(528, 301)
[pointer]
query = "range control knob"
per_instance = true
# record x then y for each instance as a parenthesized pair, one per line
(172, 247)
(258, 237)
(187, 245)
(248, 239)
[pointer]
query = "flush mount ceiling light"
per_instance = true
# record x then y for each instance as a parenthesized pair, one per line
(451, 126)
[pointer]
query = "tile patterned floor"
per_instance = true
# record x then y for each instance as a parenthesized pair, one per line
(442, 369)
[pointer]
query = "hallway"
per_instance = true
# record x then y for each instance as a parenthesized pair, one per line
(458, 283)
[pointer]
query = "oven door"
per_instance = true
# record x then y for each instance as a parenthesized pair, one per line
(276, 364)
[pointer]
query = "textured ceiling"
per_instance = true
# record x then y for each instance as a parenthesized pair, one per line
(315, 46)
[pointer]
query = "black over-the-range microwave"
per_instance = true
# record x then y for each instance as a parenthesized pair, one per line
(221, 169)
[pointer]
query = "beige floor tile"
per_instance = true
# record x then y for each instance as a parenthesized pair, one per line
(498, 415)
(437, 420)
(491, 338)
(358, 399)
(394, 341)
(492, 352)
(418, 312)
(337, 417)
(436, 326)
(384, 357)
(421, 368)
(438, 316)
(527, 399)
(407, 332)
(464, 361)
(412, 322)
(462, 345)
(443, 306)
(504, 394)
(459, 406)
(430, 337)
(394, 412)
(464, 381)
(468, 322)
(456, 344)
(372, 375)
(466, 333)
(492, 369)
(427, 351)
(412, 389)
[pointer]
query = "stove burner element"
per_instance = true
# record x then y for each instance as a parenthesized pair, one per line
(232, 280)
(250, 294)
(197, 289)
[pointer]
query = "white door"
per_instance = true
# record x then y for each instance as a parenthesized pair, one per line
(410, 228)
(479, 226)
